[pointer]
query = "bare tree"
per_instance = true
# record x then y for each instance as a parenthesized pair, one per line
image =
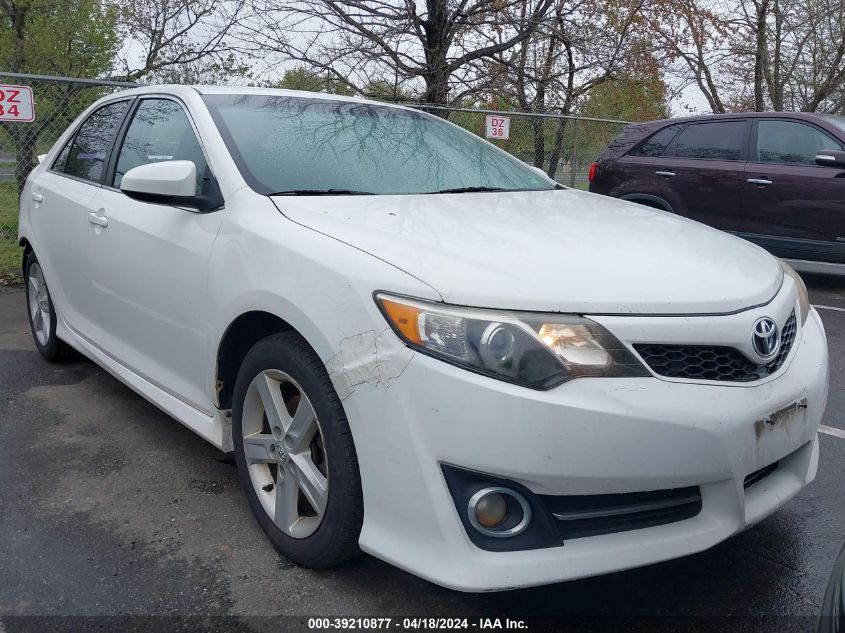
(692, 37)
(760, 17)
(821, 66)
(581, 44)
(359, 41)
(772, 33)
(166, 35)
(756, 54)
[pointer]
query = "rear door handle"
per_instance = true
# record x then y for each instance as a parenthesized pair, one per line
(99, 220)
(37, 197)
(760, 181)
(667, 174)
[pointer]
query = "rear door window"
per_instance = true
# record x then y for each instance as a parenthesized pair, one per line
(657, 144)
(791, 142)
(86, 155)
(717, 140)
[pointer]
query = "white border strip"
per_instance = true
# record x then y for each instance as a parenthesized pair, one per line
(829, 308)
(829, 430)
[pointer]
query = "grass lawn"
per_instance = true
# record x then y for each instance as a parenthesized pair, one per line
(10, 263)
(10, 252)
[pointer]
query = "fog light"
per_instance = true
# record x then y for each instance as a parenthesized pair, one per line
(499, 512)
(491, 509)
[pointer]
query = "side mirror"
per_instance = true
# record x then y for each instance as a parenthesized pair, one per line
(41, 158)
(831, 158)
(172, 182)
(160, 182)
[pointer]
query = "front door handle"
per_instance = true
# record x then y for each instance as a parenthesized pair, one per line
(760, 181)
(37, 197)
(99, 220)
(666, 174)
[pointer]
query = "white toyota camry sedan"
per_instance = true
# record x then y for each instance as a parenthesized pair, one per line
(417, 346)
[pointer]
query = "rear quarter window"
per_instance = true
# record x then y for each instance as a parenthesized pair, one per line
(656, 144)
(717, 140)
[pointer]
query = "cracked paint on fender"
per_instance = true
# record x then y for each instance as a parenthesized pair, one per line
(368, 359)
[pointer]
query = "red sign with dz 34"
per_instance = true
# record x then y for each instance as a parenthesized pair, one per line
(16, 104)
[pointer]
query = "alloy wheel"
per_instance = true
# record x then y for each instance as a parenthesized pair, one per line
(284, 452)
(39, 304)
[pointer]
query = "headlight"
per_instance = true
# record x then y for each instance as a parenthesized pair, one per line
(538, 351)
(803, 297)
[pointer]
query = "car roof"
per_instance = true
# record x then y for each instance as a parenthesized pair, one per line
(177, 89)
(805, 116)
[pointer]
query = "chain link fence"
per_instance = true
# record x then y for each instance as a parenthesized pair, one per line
(563, 146)
(58, 101)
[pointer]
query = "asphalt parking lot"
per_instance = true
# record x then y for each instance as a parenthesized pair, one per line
(109, 507)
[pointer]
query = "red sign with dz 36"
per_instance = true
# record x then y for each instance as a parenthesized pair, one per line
(16, 104)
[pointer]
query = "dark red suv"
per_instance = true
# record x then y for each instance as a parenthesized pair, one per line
(777, 179)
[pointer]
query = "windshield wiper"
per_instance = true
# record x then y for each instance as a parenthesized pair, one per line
(322, 192)
(469, 189)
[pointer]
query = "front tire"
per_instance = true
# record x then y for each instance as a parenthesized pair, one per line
(42, 314)
(295, 455)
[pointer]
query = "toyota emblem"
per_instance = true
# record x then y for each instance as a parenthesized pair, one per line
(766, 338)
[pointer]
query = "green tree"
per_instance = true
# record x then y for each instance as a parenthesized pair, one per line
(305, 78)
(629, 98)
(73, 38)
(385, 90)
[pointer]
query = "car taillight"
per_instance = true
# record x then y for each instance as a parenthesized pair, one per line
(591, 175)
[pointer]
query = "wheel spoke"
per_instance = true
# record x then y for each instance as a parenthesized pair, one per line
(314, 486)
(287, 499)
(38, 320)
(302, 426)
(274, 405)
(258, 448)
(34, 286)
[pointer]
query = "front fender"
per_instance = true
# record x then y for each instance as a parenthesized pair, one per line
(321, 287)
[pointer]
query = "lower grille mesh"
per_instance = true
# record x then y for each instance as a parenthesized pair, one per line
(757, 475)
(591, 515)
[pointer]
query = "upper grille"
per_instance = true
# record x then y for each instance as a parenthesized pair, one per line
(714, 362)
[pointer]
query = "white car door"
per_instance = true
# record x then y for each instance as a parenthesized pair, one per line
(151, 261)
(61, 201)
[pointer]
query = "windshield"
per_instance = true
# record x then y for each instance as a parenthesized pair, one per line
(285, 144)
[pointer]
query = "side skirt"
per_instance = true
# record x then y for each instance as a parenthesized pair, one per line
(215, 428)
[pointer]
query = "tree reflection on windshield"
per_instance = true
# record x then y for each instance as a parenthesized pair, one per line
(289, 143)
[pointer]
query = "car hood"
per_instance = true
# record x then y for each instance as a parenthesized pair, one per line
(558, 251)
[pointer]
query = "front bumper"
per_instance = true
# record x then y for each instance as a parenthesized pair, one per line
(586, 437)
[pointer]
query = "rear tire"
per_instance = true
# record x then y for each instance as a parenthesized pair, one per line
(295, 455)
(42, 314)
